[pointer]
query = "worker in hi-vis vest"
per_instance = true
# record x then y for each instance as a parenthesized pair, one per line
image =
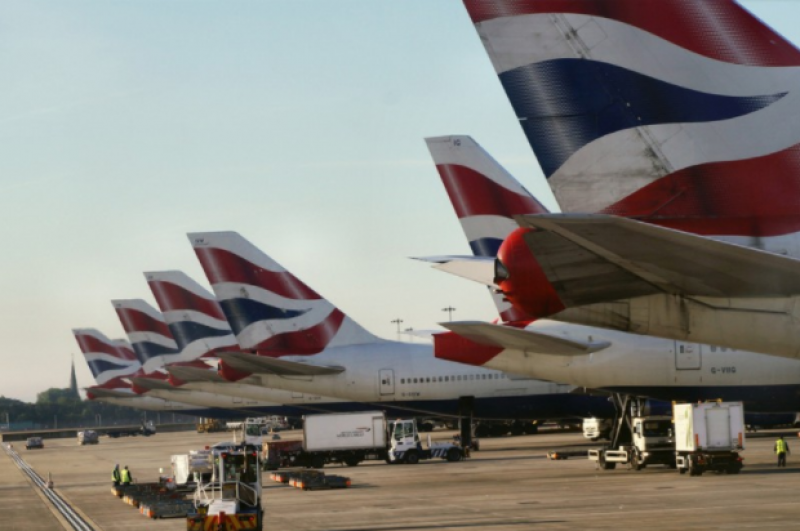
(781, 448)
(126, 476)
(115, 477)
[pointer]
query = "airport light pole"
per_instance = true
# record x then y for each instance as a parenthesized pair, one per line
(398, 322)
(449, 311)
(409, 331)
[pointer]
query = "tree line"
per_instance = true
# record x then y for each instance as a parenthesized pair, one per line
(63, 408)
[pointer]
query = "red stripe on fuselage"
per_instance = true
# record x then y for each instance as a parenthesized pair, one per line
(224, 266)
(757, 197)
(172, 297)
(719, 29)
(474, 194)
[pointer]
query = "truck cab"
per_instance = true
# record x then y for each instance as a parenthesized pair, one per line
(653, 441)
(405, 445)
(595, 429)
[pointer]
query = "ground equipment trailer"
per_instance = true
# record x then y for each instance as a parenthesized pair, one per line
(351, 438)
(709, 436)
(231, 499)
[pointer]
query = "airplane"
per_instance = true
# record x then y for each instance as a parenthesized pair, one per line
(111, 361)
(295, 339)
(198, 324)
(153, 342)
(670, 140)
(485, 198)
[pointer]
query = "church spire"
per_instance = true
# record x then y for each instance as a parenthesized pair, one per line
(73, 382)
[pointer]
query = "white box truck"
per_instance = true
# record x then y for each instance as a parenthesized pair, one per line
(709, 436)
(354, 437)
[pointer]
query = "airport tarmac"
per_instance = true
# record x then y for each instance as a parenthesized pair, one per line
(507, 485)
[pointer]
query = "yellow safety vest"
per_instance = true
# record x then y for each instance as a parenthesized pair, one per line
(780, 446)
(115, 475)
(126, 476)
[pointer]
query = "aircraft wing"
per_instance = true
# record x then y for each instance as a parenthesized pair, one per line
(264, 364)
(101, 392)
(597, 258)
(521, 339)
(194, 374)
(476, 268)
(153, 383)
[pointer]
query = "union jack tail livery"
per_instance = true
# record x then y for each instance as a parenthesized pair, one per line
(192, 314)
(109, 360)
(485, 198)
(148, 333)
(271, 311)
(684, 113)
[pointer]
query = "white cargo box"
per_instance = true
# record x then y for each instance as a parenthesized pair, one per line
(711, 426)
(344, 431)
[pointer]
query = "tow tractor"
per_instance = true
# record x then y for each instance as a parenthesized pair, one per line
(231, 499)
(405, 445)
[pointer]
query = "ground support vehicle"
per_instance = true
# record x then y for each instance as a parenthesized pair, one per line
(636, 441)
(210, 426)
(232, 498)
(147, 429)
(88, 437)
(33, 443)
(351, 438)
(709, 436)
(190, 469)
(595, 429)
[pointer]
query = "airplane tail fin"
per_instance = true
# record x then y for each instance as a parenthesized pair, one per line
(148, 333)
(192, 314)
(109, 360)
(680, 114)
(270, 310)
(485, 198)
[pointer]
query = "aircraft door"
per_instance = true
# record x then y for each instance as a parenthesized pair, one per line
(386, 381)
(688, 356)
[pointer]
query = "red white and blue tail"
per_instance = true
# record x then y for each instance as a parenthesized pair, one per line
(148, 333)
(192, 314)
(485, 198)
(109, 360)
(270, 310)
(684, 113)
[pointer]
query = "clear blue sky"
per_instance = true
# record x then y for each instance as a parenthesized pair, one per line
(298, 123)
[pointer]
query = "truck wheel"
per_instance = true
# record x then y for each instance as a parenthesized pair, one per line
(412, 458)
(453, 455)
(608, 466)
(352, 461)
(317, 461)
(681, 471)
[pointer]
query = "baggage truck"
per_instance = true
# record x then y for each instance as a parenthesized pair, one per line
(351, 438)
(709, 436)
